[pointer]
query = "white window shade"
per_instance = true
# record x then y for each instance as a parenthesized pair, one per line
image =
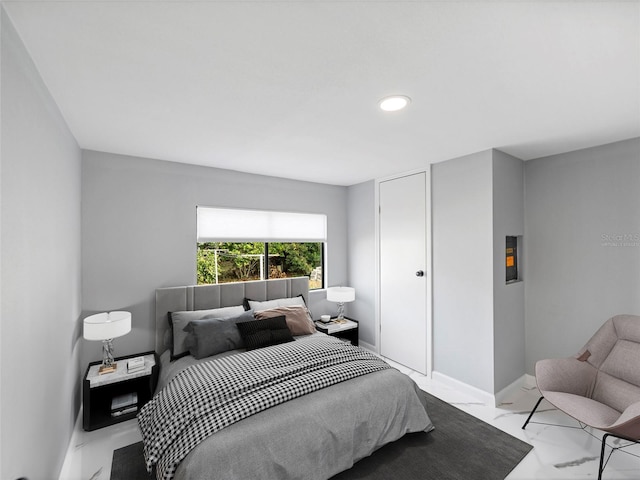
(231, 225)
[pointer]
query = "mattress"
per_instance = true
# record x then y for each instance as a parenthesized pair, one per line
(313, 436)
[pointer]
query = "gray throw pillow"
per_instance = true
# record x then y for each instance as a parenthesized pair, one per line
(210, 336)
(179, 320)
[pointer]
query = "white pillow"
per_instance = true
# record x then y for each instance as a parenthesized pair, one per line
(278, 302)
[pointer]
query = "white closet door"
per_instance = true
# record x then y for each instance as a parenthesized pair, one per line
(403, 271)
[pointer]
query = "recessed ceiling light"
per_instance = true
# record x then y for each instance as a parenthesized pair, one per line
(394, 103)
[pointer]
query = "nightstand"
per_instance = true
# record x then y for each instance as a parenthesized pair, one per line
(347, 331)
(121, 391)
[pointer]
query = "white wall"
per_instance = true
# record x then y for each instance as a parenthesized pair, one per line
(463, 269)
(582, 236)
(139, 231)
(40, 275)
(361, 259)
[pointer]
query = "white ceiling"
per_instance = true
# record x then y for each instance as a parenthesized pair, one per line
(290, 88)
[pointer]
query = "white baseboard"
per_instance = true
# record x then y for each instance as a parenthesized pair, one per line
(530, 381)
(368, 346)
(510, 389)
(485, 397)
(475, 392)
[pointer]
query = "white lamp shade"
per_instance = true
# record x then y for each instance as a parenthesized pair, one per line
(341, 294)
(104, 326)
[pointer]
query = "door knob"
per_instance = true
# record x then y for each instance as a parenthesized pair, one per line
(419, 273)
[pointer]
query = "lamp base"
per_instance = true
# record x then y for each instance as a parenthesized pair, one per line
(107, 369)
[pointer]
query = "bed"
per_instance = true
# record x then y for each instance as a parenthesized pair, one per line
(356, 403)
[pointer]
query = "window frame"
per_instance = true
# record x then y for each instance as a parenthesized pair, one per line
(265, 263)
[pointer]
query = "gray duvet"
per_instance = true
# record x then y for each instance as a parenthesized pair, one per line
(311, 437)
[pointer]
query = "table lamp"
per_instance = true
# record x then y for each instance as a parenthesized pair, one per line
(341, 295)
(106, 327)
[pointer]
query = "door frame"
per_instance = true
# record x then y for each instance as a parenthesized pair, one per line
(428, 256)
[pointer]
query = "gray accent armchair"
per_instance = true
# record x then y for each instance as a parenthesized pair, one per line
(600, 386)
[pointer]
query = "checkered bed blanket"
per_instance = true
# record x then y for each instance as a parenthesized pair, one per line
(209, 396)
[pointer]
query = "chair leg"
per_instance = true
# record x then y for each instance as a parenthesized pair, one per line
(532, 412)
(603, 463)
(604, 444)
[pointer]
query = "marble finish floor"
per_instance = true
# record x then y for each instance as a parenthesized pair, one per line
(559, 453)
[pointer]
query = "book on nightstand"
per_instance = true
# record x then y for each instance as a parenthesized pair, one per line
(333, 326)
(123, 404)
(135, 365)
(131, 409)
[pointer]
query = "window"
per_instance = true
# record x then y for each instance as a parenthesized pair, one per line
(240, 245)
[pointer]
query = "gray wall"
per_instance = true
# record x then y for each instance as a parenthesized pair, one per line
(40, 255)
(361, 258)
(462, 269)
(479, 323)
(582, 236)
(508, 300)
(139, 231)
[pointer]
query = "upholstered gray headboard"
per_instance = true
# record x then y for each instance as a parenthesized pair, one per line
(202, 297)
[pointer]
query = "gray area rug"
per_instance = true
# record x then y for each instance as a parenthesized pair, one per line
(460, 448)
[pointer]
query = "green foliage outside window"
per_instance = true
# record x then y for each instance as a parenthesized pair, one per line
(223, 262)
